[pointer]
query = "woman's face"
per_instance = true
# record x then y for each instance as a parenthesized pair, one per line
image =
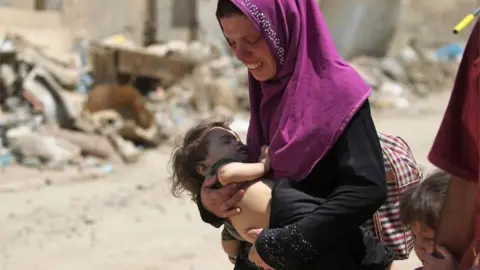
(249, 46)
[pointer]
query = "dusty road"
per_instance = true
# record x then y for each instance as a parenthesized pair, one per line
(128, 220)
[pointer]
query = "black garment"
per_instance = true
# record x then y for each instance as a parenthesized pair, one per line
(289, 206)
(288, 246)
(351, 178)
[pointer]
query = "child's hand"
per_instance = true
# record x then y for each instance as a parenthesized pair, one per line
(446, 263)
(265, 158)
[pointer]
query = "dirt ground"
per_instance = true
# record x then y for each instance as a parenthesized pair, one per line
(128, 220)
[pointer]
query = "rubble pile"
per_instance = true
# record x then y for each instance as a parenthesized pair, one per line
(415, 73)
(104, 102)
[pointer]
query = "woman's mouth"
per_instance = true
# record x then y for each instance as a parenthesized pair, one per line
(253, 66)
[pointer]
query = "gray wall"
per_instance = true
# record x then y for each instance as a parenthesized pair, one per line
(99, 19)
(43, 4)
(174, 16)
(164, 19)
(209, 29)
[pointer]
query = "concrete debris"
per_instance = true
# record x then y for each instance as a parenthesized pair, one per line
(370, 70)
(89, 144)
(391, 95)
(414, 73)
(103, 103)
(393, 69)
(52, 152)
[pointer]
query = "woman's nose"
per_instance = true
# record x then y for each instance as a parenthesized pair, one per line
(242, 53)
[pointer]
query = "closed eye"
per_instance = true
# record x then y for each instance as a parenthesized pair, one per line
(254, 40)
(230, 42)
(227, 139)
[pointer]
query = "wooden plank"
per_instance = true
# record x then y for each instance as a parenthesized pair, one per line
(102, 60)
(168, 69)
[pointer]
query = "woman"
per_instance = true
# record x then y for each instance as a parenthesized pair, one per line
(312, 109)
(456, 150)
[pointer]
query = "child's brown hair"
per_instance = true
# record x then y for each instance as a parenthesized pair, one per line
(423, 202)
(185, 158)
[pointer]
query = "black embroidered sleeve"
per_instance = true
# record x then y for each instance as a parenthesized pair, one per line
(284, 248)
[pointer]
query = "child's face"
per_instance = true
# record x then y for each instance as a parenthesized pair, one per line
(224, 143)
(424, 242)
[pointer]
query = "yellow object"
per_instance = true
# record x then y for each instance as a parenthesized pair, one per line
(463, 23)
(119, 39)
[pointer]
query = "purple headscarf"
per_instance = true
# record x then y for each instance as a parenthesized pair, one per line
(302, 111)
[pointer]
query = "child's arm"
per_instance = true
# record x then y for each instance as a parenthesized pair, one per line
(237, 172)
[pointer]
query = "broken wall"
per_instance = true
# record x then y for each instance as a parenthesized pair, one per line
(433, 20)
(33, 4)
(100, 19)
(175, 19)
(209, 30)
(361, 27)
(41, 27)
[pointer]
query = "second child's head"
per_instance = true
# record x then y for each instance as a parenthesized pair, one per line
(203, 146)
(420, 209)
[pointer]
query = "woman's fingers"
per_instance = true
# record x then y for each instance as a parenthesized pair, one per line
(254, 233)
(230, 212)
(234, 197)
(228, 191)
(233, 200)
(251, 254)
(209, 182)
(220, 202)
(221, 194)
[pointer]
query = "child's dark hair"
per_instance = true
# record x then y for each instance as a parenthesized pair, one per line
(185, 158)
(423, 202)
(227, 8)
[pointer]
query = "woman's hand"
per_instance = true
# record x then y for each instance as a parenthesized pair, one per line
(253, 233)
(221, 202)
(253, 254)
(265, 158)
(446, 263)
